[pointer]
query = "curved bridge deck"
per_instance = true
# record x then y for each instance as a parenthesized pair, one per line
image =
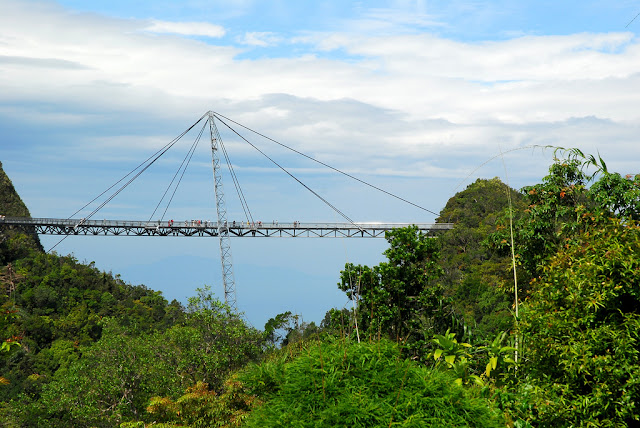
(54, 226)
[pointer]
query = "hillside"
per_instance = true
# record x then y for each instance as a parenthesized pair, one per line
(53, 306)
(14, 245)
(477, 277)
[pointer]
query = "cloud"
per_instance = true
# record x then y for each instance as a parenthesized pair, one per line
(38, 62)
(204, 29)
(261, 39)
(400, 104)
(394, 21)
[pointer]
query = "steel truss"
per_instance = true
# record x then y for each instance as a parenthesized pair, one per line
(201, 228)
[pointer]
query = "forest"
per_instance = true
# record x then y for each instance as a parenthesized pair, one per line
(525, 314)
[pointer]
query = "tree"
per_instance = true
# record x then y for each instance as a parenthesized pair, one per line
(9, 339)
(581, 325)
(114, 378)
(555, 206)
(580, 317)
(214, 340)
(618, 196)
(110, 383)
(400, 298)
(551, 214)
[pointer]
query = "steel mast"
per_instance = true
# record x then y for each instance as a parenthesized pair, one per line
(223, 227)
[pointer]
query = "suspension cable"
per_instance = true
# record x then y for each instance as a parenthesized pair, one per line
(168, 145)
(291, 175)
(193, 150)
(236, 183)
(149, 161)
(187, 160)
(218, 115)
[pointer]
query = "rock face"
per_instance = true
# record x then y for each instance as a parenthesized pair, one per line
(14, 244)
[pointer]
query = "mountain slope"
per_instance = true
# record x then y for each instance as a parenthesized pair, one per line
(14, 244)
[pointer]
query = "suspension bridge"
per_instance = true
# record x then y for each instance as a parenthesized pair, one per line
(222, 228)
(204, 228)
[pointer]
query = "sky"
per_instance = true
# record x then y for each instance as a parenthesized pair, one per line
(420, 98)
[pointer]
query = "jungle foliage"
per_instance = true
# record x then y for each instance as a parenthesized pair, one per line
(581, 330)
(478, 278)
(400, 298)
(343, 384)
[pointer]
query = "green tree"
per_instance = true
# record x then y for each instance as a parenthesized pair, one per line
(556, 205)
(214, 340)
(338, 322)
(618, 196)
(400, 298)
(112, 380)
(9, 342)
(109, 383)
(581, 325)
(59, 298)
(276, 328)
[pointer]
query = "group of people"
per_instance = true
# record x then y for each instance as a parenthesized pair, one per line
(240, 224)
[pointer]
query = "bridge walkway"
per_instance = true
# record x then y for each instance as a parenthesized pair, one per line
(204, 228)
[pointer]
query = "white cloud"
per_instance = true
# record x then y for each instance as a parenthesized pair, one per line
(391, 21)
(261, 39)
(393, 100)
(186, 28)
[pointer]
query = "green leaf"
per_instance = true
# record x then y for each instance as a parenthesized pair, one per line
(494, 362)
(450, 359)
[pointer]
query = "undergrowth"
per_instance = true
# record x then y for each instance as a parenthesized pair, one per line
(342, 384)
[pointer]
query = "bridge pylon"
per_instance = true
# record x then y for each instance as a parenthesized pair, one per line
(228, 279)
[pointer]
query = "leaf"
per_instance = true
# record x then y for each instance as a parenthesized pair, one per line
(450, 359)
(488, 369)
(494, 362)
(437, 354)
(477, 380)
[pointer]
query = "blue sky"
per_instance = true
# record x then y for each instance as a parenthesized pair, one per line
(412, 96)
